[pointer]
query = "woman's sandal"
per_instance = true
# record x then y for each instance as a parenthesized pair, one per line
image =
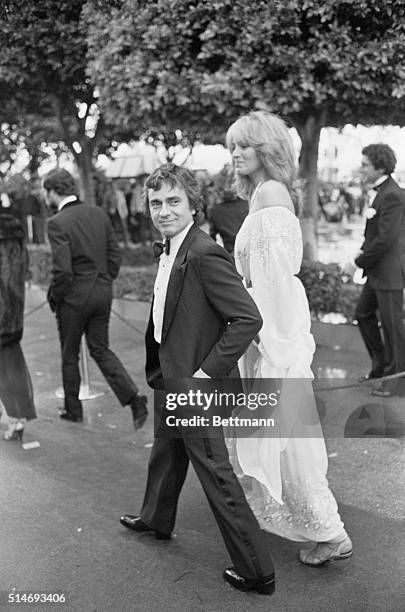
(15, 430)
(327, 551)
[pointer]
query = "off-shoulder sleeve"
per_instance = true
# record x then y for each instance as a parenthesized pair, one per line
(275, 253)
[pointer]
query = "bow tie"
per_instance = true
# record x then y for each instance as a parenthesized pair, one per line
(161, 247)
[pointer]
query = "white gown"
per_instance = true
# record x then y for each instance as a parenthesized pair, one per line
(283, 472)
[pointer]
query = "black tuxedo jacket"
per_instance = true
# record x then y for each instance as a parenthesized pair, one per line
(383, 258)
(84, 250)
(209, 318)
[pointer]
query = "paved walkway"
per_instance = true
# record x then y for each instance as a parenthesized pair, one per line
(60, 504)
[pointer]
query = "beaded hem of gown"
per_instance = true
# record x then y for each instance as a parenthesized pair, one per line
(283, 474)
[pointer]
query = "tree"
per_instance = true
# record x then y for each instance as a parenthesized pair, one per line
(43, 62)
(201, 63)
(35, 135)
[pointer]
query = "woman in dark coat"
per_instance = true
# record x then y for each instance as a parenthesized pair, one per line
(15, 382)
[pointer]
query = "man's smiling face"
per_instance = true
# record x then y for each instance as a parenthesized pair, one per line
(170, 209)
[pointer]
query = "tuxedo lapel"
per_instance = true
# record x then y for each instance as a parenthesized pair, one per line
(176, 281)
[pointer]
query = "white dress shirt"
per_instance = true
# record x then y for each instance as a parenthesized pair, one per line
(162, 281)
(67, 200)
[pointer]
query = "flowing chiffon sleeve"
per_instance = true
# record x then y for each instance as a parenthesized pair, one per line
(273, 257)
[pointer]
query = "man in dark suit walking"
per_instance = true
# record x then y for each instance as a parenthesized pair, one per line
(85, 260)
(201, 321)
(382, 258)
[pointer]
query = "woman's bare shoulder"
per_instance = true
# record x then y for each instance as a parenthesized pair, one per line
(272, 193)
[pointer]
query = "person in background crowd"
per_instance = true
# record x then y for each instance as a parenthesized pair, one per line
(382, 257)
(362, 201)
(16, 394)
(34, 209)
(139, 220)
(348, 202)
(17, 209)
(122, 210)
(85, 260)
(228, 211)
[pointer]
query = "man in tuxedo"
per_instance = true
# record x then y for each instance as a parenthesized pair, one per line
(85, 260)
(382, 258)
(202, 320)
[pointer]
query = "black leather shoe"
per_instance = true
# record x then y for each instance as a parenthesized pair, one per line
(67, 416)
(383, 393)
(135, 523)
(370, 376)
(139, 410)
(264, 586)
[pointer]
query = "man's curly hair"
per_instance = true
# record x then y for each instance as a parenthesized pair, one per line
(173, 175)
(381, 156)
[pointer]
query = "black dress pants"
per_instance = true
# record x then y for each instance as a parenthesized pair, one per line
(388, 352)
(93, 320)
(245, 541)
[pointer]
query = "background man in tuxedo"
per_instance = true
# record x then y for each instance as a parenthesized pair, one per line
(202, 320)
(382, 258)
(85, 260)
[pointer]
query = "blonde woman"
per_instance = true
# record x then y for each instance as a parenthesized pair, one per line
(284, 470)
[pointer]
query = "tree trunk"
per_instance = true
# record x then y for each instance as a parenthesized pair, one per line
(310, 133)
(84, 161)
(64, 112)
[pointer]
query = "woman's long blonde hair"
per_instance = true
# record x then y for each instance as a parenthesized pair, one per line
(269, 136)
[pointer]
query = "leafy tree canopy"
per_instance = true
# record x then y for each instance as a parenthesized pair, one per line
(43, 64)
(44, 48)
(200, 63)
